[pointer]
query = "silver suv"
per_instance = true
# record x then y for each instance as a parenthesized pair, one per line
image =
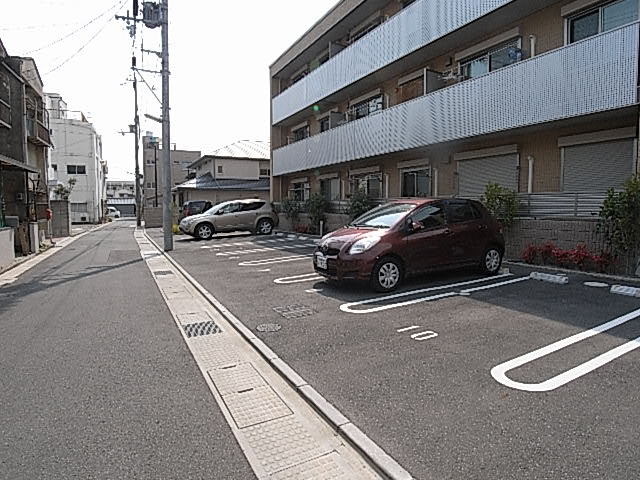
(250, 214)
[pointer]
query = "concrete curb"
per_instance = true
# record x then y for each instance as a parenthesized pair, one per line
(574, 272)
(379, 459)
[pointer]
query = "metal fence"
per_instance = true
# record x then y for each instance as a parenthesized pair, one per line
(542, 205)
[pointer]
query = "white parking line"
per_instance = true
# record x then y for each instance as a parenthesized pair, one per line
(270, 261)
(407, 329)
(307, 277)
(499, 373)
(261, 250)
(347, 307)
(426, 335)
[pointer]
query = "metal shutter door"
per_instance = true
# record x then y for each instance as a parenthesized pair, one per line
(598, 166)
(474, 175)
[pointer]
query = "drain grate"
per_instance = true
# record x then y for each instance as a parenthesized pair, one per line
(200, 329)
(268, 327)
(162, 272)
(294, 311)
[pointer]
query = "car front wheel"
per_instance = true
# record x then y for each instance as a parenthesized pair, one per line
(386, 275)
(491, 261)
(204, 231)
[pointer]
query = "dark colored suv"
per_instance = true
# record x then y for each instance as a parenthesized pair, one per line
(411, 236)
(194, 207)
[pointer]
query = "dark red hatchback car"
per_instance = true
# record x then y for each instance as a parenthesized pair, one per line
(411, 236)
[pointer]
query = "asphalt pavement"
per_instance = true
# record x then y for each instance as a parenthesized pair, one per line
(428, 372)
(96, 381)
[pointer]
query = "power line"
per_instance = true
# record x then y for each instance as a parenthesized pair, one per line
(86, 44)
(115, 5)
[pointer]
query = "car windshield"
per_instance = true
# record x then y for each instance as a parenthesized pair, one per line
(384, 216)
(215, 208)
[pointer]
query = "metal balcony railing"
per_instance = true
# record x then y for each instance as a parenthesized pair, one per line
(421, 23)
(594, 75)
(574, 204)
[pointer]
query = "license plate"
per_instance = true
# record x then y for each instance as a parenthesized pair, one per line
(321, 261)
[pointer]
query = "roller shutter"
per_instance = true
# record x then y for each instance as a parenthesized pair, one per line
(596, 167)
(475, 174)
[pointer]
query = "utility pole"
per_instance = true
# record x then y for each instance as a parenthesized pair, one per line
(167, 217)
(136, 121)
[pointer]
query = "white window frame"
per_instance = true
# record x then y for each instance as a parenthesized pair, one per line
(516, 41)
(416, 168)
(359, 178)
(305, 188)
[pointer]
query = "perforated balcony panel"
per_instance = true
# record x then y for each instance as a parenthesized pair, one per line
(594, 75)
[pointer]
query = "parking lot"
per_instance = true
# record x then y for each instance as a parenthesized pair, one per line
(456, 375)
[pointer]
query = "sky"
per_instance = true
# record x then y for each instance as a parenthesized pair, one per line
(220, 54)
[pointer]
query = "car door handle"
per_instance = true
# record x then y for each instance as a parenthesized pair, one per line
(482, 227)
(448, 232)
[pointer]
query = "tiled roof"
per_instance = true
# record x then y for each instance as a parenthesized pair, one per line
(207, 182)
(244, 149)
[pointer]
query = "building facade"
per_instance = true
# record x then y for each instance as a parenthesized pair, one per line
(78, 155)
(153, 168)
(239, 170)
(24, 143)
(120, 189)
(440, 98)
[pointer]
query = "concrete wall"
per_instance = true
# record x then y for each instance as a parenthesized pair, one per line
(61, 221)
(153, 217)
(7, 255)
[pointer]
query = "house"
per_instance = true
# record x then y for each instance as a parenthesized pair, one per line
(78, 155)
(153, 168)
(24, 143)
(239, 170)
(440, 98)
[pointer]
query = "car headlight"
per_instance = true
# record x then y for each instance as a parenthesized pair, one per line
(363, 245)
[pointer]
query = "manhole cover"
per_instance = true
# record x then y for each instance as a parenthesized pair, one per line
(163, 272)
(200, 329)
(269, 327)
(294, 311)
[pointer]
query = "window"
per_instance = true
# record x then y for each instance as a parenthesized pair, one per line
(491, 61)
(219, 168)
(411, 89)
(602, 19)
(324, 124)
(460, 211)
(151, 184)
(251, 206)
(371, 184)
(5, 100)
(265, 172)
(368, 107)
(299, 76)
(79, 207)
(299, 192)
(54, 167)
(76, 170)
(431, 216)
(330, 188)
(301, 133)
(358, 34)
(416, 183)
(230, 208)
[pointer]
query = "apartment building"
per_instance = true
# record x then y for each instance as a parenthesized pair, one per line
(439, 98)
(78, 155)
(153, 168)
(24, 143)
(121, 189)
(239, 170)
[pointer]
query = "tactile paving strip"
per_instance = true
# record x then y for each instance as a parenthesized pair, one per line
(322, 468)
(255, 406)
(282, 443)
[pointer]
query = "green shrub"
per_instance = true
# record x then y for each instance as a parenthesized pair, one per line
(359, 203)
(316, 207)
(501, 202)
(291, 209)
(620, 218)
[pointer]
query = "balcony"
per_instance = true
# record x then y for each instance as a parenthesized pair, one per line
(414, 27)
(38, 133)
(594, 75)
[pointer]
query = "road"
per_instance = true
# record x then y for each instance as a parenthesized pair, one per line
(455, 375)
(96, 381)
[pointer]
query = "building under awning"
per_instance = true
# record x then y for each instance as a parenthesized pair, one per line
(14, 188)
